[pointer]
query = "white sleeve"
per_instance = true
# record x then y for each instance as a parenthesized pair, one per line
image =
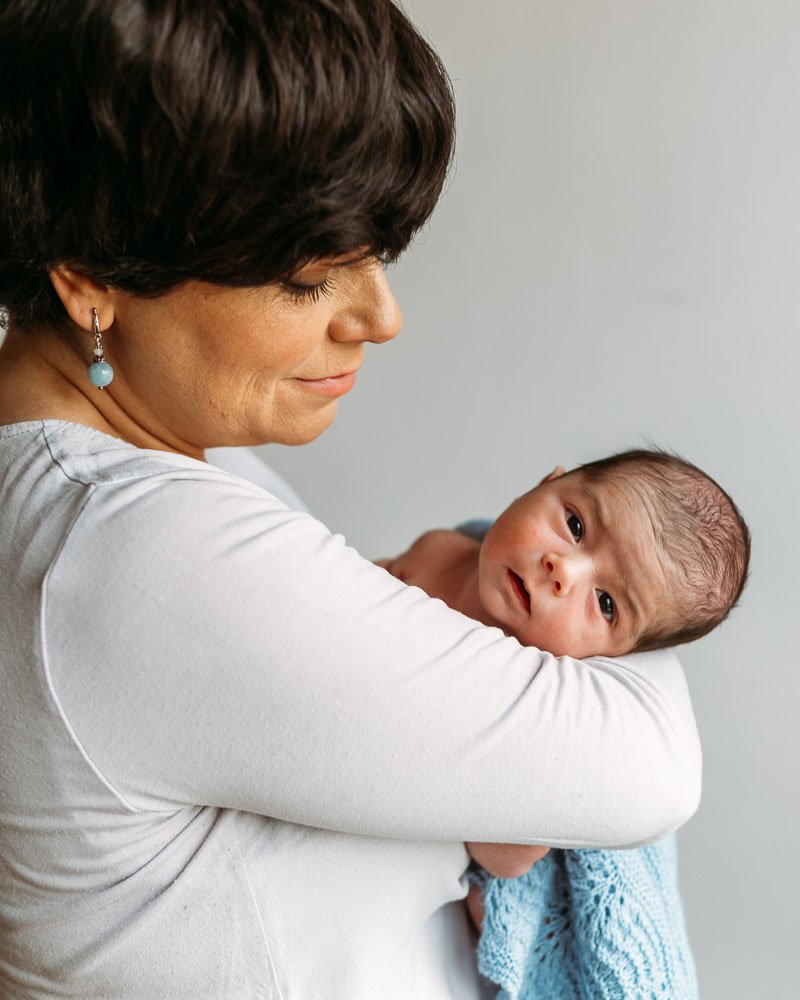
(246, 463)
(235, 653)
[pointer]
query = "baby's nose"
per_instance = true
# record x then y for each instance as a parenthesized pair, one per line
(564, 572)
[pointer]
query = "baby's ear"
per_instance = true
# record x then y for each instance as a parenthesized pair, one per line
(555, 474)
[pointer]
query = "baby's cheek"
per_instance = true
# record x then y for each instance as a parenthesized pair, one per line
(494, 605)
(556, 631)
(503, 540)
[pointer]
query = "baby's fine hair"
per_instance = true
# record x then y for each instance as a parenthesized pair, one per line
(704, 543)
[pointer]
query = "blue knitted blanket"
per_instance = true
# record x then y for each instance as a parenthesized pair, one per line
(588, 925)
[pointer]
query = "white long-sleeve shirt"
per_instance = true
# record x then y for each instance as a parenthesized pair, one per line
(238, 760)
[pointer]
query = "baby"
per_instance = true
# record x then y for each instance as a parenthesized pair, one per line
(638, 551)
(635, 552)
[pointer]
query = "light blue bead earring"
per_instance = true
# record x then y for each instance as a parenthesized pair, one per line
(99, 371)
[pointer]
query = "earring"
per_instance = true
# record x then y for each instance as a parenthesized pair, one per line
(99, 371)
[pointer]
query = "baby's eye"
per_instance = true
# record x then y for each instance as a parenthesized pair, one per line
(607, 607)
(575, 526)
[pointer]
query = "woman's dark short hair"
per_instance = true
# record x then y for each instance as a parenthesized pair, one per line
(146, 143)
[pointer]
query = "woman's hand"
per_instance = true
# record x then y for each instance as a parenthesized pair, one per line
(507, 860)
(475, 909)
(502, 861)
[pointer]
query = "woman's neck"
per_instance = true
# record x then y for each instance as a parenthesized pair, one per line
(38, 382)
(33, 385)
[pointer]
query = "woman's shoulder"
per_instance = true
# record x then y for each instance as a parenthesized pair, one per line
(86, 456)
(69, 479)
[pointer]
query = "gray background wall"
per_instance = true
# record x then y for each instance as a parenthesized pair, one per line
(616, 260)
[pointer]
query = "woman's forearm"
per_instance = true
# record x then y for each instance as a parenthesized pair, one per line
(275, 670)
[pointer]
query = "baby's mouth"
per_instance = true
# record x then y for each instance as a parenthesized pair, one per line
(520, 591)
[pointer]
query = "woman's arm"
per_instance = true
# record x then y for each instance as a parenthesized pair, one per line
(234, 653)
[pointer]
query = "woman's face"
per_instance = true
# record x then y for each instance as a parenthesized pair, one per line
(205, 365)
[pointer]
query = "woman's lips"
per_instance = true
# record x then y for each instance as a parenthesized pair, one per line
(336, 385)
(518, 590)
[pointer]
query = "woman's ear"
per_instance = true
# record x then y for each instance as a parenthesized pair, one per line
(555, 474)
(79, 295)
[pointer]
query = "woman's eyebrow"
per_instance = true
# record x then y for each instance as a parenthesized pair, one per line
(354, 258)
(332, 261)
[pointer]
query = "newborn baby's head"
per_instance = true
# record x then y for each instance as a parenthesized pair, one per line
(634, 552)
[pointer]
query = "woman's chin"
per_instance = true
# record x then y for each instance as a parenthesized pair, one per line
(302, 430)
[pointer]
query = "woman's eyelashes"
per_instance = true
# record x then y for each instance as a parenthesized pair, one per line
(608, 608)
(302, 292)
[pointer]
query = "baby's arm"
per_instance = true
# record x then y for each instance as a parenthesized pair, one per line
(440, 562)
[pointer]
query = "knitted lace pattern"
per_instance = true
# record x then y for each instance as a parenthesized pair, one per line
(588, 925)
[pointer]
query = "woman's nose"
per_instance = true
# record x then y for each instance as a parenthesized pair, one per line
(372, 314)
(564, 571)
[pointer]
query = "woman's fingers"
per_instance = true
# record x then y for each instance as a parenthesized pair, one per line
(507, 860)
(475, 906)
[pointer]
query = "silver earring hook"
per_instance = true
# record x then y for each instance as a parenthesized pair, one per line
(99, 371)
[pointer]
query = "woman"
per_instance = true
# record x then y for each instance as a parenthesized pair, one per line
(239, 760)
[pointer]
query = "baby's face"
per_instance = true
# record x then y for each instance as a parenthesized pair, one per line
(572, 568)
